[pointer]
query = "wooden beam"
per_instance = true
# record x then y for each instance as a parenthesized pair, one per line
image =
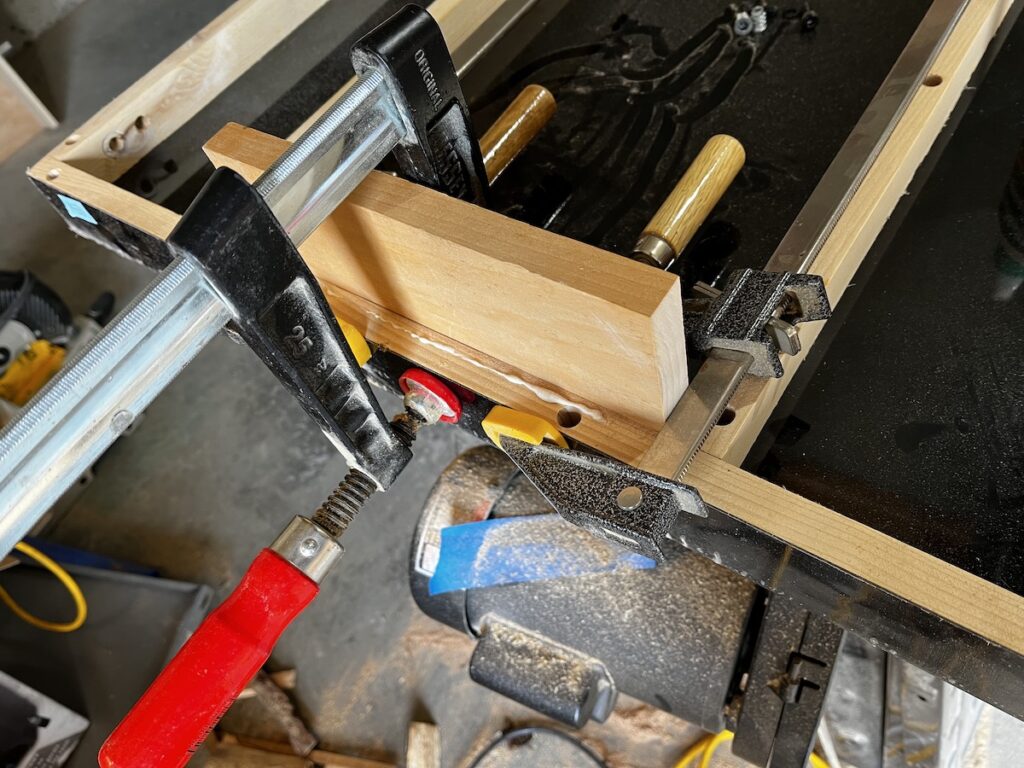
(166, 97)
(968, 601)
(586, 324)
(869, 209)
(24, 115)
(424, 749)
(170, 94)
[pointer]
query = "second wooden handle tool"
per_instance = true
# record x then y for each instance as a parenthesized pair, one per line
(693, 198)
(515, 128)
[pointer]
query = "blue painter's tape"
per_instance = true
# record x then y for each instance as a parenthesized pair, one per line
(514, 550)
(76, 210)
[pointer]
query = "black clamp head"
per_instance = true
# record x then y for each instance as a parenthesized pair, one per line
(757, 313)
(282, 314)
(440, 149)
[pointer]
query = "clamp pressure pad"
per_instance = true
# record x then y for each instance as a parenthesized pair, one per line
(440, 149)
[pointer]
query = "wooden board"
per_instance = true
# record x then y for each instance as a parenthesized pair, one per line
(587, 325)
(24, 116)
(163, 100)
(186, 81)
(977, 605)
(869, 209)
(424, 749)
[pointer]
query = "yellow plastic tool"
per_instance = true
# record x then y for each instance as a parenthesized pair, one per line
(356, 342)
(503, 421)
(30, 371)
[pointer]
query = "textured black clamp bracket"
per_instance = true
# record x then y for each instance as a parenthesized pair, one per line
(738, 318)
(441, 150)
(281, 313)
(610, 499)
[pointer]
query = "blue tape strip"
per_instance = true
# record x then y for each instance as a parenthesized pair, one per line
(515, 550)
(75, 209)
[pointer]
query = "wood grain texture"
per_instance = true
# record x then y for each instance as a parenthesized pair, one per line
(424, 749)
(698, 191)
(515, 128)
(581, 320)
(183, 83)
(229, 745)
(964, 599)
(868, 211)
(23, 115)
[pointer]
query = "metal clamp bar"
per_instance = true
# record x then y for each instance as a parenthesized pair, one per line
(87, 406)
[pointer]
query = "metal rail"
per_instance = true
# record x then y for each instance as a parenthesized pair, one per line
(704, 401)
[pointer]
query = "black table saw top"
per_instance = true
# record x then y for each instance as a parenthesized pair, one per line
(911, 420)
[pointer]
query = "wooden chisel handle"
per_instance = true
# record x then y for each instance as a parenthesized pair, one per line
(515, 128)
(693, 198)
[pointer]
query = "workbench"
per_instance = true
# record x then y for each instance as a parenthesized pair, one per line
(891, 350)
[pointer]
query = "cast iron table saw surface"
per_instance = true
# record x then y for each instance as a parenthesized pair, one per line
(912, 420)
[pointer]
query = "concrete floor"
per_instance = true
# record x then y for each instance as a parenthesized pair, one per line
(224, 457)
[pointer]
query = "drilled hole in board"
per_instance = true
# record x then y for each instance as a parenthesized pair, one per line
(568, 418)
(727, 417)
(932, 80)
(141, 123)
(115, 143)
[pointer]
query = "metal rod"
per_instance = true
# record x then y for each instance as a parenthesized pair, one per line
(329, 160)
(98, 394)
(696, 413)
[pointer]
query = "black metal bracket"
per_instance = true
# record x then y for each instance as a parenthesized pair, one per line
(757, 313)
(610, 499)
(441, 150)
(282, 314)
(786, 686)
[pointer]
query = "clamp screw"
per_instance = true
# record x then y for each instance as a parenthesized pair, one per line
(629, 498)
(428, 400)
(742, 24)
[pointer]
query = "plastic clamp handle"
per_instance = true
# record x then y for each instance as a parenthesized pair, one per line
(180, 708)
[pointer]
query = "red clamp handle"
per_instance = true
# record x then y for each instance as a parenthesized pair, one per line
(180, 708)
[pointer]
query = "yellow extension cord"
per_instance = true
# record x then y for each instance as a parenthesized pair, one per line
(65, 578)
(706, 747)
